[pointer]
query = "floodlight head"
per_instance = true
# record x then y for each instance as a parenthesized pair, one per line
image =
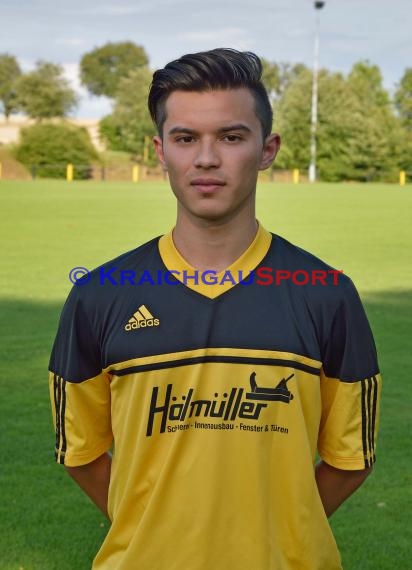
(319, 5)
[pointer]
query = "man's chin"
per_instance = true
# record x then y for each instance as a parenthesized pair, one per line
(212, 215)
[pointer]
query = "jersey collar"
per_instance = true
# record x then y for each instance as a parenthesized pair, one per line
(225, 279)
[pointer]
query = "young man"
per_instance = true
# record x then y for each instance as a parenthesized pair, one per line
(219, 385)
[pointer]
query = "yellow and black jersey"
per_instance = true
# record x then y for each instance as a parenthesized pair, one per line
(216, 398)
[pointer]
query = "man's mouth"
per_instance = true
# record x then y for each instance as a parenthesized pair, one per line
(207, 184)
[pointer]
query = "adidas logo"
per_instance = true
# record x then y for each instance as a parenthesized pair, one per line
(141, 319)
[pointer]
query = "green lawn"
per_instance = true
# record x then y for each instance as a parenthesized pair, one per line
(49, 227)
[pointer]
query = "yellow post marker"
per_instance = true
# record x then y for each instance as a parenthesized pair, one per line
(402, 178)
(135, 173)
(69, 173)
(295, 176)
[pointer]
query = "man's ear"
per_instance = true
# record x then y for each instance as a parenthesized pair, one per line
(270, 149)
(158, 146)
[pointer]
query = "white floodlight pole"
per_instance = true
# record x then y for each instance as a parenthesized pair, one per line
(314, 120)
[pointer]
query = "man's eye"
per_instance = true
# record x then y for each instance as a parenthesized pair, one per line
(232, 138)
(185, 139)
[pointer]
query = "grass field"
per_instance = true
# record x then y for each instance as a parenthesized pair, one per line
(49, 227)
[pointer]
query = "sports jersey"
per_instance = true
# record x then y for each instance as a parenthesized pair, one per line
(216, 400)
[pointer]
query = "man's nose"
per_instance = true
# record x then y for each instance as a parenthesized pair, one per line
(207, 155)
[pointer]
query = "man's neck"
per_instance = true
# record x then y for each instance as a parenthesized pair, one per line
(213, 245)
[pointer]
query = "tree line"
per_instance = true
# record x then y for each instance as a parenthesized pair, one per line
(363, 133)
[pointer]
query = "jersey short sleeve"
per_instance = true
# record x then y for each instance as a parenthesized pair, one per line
(79, 389)
(350, 387)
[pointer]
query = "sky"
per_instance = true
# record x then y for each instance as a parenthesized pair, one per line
(62, 31)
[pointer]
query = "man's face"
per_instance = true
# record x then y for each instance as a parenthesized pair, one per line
(213, 148)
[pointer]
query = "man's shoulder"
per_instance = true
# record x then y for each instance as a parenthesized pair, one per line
(295, 255)
(141, 258)
(314, 277)
(102, 283)
(144, 253)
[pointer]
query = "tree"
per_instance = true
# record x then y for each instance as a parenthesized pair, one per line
(126, 128)
(375, 143)
(358, 135)
(403, 104)
(277, 77)
(9, 73)
(102, 69)
(50, 147)
(292, 121)
(271, 79)
(336, 126)
(289, 73)
(44, 93)
(403, 99)
(365, 79)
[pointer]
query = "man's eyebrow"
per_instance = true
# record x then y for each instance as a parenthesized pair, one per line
(235, 127)
(178, 129)
(227, 129)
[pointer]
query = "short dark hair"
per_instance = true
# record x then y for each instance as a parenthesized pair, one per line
(217, 69)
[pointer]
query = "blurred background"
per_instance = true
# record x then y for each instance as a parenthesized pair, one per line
(92, 64)
(79, 185)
